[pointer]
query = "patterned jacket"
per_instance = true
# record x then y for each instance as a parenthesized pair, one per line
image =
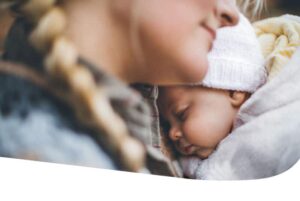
(35, 124)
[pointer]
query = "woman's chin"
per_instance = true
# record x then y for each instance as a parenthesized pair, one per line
(195, 66)
(194, 73)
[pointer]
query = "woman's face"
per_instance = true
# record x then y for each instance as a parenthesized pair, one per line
(173, 37)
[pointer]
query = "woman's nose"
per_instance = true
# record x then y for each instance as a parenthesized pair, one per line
(227, 12)
(175, 134)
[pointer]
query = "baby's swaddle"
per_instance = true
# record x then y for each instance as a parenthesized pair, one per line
(268, 141)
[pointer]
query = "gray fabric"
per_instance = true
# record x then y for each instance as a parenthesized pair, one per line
(266, 141)
(46, 142)
(128, 103)
(33, 123)
(158, 162)
(150, 93)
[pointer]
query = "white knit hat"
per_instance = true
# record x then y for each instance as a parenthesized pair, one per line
(236, 61)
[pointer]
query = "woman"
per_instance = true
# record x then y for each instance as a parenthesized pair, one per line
(69, 101)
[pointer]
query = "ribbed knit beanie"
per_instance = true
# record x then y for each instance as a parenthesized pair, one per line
(236, 61)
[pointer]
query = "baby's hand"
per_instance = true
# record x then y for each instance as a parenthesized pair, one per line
(190, 165)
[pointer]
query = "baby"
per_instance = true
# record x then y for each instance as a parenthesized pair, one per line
(199, 116)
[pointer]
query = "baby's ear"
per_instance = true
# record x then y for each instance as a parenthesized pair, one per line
(237, 98)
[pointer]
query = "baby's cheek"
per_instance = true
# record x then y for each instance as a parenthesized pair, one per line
(194, 132)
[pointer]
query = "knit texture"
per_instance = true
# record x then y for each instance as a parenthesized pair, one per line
(236, 61)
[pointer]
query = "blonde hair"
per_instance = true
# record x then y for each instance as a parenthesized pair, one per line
(88, 99)
(251, 8)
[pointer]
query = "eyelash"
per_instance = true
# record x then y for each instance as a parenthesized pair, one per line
(181, 115)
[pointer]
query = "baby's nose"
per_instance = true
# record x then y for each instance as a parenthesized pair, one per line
(175, 134)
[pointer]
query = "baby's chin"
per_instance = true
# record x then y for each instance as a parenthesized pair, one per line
(198, 153)
(204, 154)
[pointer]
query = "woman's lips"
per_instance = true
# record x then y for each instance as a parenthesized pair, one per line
(211, 31)
(212, 34)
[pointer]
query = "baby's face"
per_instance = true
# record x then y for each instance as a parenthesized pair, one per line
(198, 118)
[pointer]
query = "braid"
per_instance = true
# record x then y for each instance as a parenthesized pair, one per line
(88, 99)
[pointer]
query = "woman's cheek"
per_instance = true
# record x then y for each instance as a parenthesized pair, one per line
(192, 56)
(175, 44)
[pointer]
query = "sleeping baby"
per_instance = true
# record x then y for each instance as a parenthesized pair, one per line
(264, 126)
(198, 117)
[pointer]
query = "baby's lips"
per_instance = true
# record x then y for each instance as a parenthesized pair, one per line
(188, 149)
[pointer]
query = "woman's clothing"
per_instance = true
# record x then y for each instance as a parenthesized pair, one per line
(34, 124)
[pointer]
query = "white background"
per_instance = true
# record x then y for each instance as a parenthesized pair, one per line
(27, 180)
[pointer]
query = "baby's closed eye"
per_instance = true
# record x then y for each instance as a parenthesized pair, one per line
(182, 113)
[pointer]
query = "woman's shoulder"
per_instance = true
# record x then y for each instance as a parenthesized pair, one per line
(36, 126)
(19, 97)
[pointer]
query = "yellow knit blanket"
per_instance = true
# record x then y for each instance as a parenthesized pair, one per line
(279, 38)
